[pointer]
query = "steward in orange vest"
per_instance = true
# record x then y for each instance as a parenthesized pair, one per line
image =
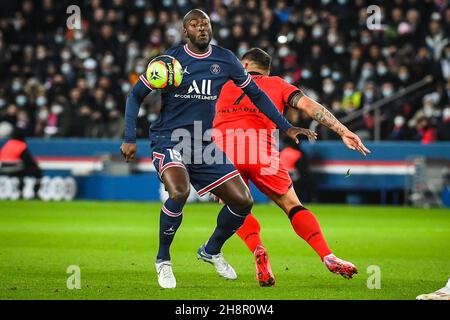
(16, 160)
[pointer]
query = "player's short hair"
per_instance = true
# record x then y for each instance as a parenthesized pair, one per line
(261, 58)
(194, 14)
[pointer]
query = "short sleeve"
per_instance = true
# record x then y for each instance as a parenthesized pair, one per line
(287, 90)
(238, 74)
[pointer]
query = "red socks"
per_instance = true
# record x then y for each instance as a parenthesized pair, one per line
(304, 223)
(249, 232)
(306, 226)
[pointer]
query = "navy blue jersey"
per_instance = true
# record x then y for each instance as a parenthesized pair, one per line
(203, 78)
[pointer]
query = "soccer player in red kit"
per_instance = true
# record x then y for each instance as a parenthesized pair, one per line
(246, 135)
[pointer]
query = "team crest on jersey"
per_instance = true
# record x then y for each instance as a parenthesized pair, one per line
(215, 69)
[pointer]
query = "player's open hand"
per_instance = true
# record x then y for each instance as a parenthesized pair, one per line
(294, 132)
(353, 142)
(128, 150)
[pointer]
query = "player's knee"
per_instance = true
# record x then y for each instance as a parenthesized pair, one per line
(180, 194)
(244, 203)
(248, 201)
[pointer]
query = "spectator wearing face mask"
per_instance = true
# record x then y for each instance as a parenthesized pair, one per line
(329, 92)
(403, 76)
(400, 130)
(367, 75)
(58, 120)
(382, 73)
(387, 90)
(308, 79)
(368, 98)
(429, 109)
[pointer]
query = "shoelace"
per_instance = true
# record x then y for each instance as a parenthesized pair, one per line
(165, 269)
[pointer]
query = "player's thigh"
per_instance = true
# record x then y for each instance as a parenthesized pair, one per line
(234, 192)
(172, 172)
(176, 182)
(222, 180)
(286, 201)
(273, 181)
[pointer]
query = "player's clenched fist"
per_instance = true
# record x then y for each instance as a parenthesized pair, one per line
(128, 151)
(295, 131)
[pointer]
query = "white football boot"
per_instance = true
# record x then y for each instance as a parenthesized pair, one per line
(223, 268)
(166, 279)
(441, 294)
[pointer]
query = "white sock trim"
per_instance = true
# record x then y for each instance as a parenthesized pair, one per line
(237, 215)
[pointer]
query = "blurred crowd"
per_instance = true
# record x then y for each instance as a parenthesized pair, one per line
(62, 82)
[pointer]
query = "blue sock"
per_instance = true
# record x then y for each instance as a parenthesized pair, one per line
(227, 224)
(169, 221)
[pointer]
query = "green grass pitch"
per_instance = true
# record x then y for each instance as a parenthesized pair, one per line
(115, 243)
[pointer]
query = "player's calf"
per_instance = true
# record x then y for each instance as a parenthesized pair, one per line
(228, 221)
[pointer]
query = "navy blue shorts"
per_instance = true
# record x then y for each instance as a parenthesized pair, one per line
(205, 173)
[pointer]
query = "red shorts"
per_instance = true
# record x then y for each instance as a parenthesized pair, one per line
(262, 166)
(273, 179)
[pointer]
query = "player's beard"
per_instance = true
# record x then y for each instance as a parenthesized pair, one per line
(201, 45)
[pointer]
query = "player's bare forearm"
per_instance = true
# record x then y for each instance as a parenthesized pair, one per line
(323, 116)
(320, 114)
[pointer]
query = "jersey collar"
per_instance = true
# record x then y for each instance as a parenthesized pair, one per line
(196, 55)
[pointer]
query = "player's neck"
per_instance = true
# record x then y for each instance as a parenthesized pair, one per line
(195, 49)
(260, 71)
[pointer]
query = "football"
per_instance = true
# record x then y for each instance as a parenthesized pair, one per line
(164, 73)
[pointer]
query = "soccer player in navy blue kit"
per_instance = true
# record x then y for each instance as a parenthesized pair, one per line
(206, 69)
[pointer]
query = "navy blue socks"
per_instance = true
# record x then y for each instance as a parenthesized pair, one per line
(228, 221)
(169, 221)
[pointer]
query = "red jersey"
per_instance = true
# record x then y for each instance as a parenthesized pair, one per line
(234, 110)
(254, 152)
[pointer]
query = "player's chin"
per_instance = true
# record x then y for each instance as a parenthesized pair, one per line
(203, 42)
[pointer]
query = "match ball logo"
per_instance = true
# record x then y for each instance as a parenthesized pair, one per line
(164, 72)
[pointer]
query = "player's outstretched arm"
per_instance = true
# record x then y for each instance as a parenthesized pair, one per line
(326, 118)
(134, 100)
(263, 103)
